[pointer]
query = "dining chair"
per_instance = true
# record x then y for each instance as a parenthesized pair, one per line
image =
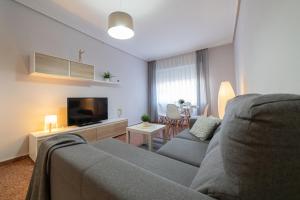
(205, 110)
(162, 117)
(174, 119)
(186, 111)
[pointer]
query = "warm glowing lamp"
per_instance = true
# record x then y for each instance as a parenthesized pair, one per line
(225, 93)
(50, 122)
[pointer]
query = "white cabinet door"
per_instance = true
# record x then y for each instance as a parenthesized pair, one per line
(112, 130)
(89, 134)
(51, 65)
(79, 70)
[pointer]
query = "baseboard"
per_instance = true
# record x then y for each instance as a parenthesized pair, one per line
(5, 162)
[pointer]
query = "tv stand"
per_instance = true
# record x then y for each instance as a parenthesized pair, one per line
(92, 133)
(90, 123)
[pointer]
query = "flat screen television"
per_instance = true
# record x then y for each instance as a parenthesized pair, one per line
(86, 111)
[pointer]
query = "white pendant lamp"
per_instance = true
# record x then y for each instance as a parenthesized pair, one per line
(225, 94)
(120, 25)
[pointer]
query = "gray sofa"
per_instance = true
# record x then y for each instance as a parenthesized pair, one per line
(255, 154)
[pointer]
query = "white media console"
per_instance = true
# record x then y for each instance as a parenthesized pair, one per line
(92, 133)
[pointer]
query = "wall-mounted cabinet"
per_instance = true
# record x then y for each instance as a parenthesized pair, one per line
(50, 65)
(79, 70)
(54, 67)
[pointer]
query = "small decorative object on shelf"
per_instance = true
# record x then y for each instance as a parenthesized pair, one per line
(119, 112)
(107, 76)
(146, 119)
(80, 55)
(181, 101)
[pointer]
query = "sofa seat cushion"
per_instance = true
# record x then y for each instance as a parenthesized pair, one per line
(187, 151)
(185, 134)
(171, 169)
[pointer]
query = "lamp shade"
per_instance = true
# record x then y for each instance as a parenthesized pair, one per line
(120, 25)
(225, 93)
(50, 122)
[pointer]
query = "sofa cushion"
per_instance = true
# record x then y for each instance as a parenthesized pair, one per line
(185, 134)
(260, 148)
(211, 178)
(174, 170)
(190, 152)
(204, 127)
(214, 140)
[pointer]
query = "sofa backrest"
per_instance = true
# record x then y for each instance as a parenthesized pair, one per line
(260, 145)
(256, 154)
(192, 121)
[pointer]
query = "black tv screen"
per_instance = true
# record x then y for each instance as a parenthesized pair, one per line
(85, 111)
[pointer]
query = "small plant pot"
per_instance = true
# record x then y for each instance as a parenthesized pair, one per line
(145, 124)
(107, 79)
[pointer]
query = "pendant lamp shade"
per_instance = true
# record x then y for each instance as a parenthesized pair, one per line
(120, 25)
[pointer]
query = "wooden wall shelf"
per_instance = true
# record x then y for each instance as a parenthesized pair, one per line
(47, 66)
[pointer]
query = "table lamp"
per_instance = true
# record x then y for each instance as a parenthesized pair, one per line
(50, 122)
(225, 93)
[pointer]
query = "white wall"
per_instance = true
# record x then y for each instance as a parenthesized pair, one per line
(267, 47)
(221, 68)
(25, 99)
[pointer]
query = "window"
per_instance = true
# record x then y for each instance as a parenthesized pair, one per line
(176, 78)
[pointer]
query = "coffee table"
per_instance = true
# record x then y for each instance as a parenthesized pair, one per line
(146, 131)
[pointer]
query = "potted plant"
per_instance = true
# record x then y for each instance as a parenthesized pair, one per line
(181, 101)
(145, 119)
(107, 76)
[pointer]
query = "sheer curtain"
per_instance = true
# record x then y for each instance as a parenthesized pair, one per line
(176, 78)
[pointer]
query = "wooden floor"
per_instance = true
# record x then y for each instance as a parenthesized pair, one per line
(15, 176)
(14, 179)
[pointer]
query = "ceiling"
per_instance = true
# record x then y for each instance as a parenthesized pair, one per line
(163, 28)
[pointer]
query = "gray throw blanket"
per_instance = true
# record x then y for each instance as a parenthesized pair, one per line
(39, 187)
